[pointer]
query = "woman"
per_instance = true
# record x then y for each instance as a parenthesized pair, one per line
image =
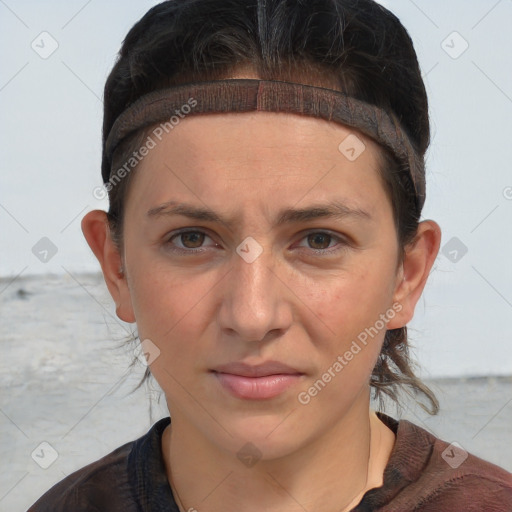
(271, 260)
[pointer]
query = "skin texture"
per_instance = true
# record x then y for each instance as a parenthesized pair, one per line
(291, 304)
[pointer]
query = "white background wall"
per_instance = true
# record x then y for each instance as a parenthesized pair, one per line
(51, 150)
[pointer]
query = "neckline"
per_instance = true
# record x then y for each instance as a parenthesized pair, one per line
(408, 458)
(154, 494)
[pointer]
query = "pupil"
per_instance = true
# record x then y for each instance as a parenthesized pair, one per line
(193, 234)
(318, 238)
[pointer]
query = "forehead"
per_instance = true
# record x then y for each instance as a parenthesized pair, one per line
(250, 154)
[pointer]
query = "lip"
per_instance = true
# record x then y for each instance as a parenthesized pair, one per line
(257, 370)
(256, 382)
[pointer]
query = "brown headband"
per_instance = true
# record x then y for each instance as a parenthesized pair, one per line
(245, 95)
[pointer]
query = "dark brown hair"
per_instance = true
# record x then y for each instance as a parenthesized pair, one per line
(355, 46)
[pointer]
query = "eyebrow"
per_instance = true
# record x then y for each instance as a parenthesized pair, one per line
(330, 210)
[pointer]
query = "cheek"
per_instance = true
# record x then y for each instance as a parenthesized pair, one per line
(162, 301)
(353, 300)
(169, 312)
(351, 306)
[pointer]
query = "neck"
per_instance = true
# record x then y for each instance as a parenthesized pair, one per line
(331, 473)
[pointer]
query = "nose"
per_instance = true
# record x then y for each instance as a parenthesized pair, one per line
(255, 300)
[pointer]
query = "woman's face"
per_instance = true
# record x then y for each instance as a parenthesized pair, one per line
(265, 276)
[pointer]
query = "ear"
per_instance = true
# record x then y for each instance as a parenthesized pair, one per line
(412, 276)
(96, 230)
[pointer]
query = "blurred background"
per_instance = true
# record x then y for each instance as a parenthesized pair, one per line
(64, 370)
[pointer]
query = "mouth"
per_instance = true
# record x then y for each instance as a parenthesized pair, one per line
(256, 382)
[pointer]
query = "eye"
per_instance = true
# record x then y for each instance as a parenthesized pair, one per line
(320, 242)
(191, 241)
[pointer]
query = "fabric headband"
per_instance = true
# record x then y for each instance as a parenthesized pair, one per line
(245, 95)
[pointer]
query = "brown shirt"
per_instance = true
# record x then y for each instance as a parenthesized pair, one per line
(423, 474)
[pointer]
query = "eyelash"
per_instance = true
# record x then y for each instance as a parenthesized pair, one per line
(341, 242)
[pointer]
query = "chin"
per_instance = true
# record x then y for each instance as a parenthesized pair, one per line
(270, 436)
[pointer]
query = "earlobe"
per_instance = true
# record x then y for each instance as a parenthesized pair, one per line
(414, 271)
(96, 231)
